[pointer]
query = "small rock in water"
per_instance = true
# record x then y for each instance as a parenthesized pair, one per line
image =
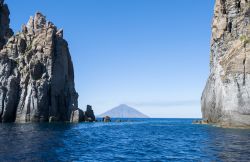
(89, 114)
(52, 119)
(200, 121)
(106, 119)
(77, 116)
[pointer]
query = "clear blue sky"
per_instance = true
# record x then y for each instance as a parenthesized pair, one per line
(150, 54)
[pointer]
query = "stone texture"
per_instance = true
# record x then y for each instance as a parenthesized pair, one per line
(5, 31)
(77, 116)
(36, 72)
(89, 114)
(226, 99)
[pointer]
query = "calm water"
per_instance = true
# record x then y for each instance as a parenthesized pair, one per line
(144, 140)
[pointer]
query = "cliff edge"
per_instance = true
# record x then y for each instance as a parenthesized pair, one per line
(226, 97)
(36, 72)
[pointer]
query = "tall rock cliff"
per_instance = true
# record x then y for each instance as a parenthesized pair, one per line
(36, 72)
(5, 31)
(226, 97)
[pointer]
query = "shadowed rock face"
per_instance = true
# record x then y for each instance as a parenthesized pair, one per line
(226, 97)
(36, 72)
(79, 115)
(89, 114)
(5, 31)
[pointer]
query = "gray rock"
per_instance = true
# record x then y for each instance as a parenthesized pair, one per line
(36, 72)
(5, 31)
(226, 99)
(52, 119)
(200, 121)
(89, 114)
(106, 119)
(77, 116)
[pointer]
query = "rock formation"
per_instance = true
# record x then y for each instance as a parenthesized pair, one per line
(5, 31)
(89, 114)
(226, 97)
(106, 119)
(79, 115)
(36, 72)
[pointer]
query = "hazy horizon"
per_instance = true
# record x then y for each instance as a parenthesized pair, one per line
(151, 55)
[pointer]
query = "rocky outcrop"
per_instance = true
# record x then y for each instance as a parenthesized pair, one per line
(89, 114)
(36, 72)
(226, 97)
(5, 31)
(79, 116)
(106, 119)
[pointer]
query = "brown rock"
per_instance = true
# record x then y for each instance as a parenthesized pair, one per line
(226, 97)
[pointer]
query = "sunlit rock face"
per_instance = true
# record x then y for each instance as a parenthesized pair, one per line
(226, 97)
(36, 72)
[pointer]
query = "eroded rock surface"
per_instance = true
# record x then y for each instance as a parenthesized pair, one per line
(36, 72)
(5, 31)
(226, 97)
(89, 114)
(79, 115)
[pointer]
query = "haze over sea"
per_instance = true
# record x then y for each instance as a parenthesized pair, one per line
(138, 140)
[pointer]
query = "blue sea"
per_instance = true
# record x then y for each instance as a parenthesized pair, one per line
(135, 140)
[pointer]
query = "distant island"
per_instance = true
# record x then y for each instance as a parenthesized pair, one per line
(123, 111)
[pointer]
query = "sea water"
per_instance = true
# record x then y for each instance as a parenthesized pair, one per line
(135, 140)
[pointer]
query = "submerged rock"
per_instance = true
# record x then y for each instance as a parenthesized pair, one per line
(36, 72)
(226, 97)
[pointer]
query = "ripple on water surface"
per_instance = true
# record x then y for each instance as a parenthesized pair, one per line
(141, 140)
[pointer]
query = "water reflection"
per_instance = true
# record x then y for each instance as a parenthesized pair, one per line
(31, 142)
(227, 144)
(150, 140)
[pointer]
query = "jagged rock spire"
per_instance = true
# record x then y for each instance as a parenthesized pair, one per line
(36, 73)
(5, 31)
